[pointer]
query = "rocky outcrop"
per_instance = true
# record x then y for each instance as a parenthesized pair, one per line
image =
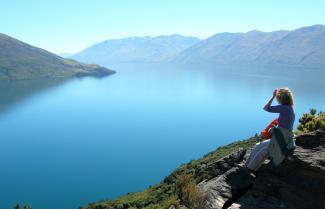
(298, 183)
(218, 167)
(221, 190)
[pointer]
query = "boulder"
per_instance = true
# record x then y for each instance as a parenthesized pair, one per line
(298, 183)
(226, 187)
(219, 167)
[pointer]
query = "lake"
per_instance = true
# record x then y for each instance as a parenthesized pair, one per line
(68, 143)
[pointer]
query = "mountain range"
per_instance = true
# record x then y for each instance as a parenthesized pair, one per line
(304, 46)
(135, 49)
(19, 60)
(301, 47)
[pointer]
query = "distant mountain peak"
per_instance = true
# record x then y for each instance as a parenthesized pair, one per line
(311, 28)
(255, 31)
(301, 47)
(135, 49)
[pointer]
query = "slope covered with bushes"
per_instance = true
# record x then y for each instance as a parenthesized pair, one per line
(179, 188)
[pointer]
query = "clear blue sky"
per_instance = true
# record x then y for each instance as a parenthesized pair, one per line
(71, 25)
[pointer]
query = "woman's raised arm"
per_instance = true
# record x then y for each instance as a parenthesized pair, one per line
(267, 106)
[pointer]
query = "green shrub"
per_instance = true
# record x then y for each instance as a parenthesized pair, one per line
(188, 192)
(17, 206)
(311, 121)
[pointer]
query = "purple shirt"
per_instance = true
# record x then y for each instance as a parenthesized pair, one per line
(286, 117)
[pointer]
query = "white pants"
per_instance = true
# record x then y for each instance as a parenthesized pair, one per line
(258, 155)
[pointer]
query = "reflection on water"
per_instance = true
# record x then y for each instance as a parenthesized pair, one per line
(13, 93)
(65, 144)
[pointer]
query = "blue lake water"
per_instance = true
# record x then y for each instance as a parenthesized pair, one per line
(64, 144)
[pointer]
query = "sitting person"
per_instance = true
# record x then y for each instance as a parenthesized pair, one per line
(263, 149)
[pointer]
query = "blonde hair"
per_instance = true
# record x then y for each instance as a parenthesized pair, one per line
(284, 96)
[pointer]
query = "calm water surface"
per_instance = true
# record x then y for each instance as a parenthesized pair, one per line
(64, 144)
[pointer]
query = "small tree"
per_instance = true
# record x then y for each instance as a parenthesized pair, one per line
(27, 207)
(17, 206)
(313, 111)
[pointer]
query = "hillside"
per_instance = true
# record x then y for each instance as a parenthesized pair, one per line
(218, 180)
(303, 46)
(19, 60)
(135, 49)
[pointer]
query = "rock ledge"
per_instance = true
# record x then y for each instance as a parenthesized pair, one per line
(299, 183)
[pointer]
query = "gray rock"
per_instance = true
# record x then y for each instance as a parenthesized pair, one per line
(219, 167)
(298, 183)
(224, 188)
(172, 207)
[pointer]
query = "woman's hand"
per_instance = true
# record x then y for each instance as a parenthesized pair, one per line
(274, 92)
(267, 106)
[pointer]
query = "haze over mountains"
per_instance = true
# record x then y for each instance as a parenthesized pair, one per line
(304, 46)
(301, 47)
(19, 60)
(135, 49)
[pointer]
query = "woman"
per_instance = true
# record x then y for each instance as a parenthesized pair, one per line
(285, 125)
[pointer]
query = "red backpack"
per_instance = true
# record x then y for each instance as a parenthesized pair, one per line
(266, 132)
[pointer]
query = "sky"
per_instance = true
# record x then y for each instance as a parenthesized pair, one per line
(72, 25)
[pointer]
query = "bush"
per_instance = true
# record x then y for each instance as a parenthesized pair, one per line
(311, 121)
(17, 206)
(188, 193)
